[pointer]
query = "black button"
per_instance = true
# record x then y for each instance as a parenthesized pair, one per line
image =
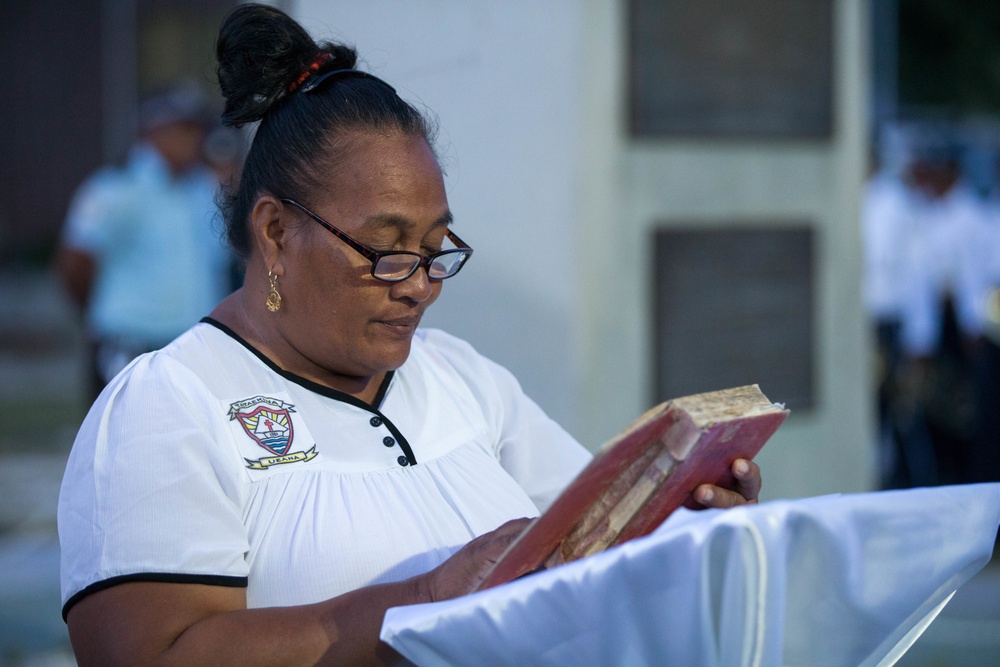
(375, 421)
(403, 461)
(388, 442)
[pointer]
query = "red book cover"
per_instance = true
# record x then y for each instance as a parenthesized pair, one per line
(637, 479)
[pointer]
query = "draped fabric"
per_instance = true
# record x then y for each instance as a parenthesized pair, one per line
(833, 580)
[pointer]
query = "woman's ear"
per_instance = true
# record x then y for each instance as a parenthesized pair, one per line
(270, 225)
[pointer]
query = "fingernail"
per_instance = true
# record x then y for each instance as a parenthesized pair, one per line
(707, 495)
(742, 467)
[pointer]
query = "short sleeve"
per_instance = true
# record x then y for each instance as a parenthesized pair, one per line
(534, 449)
(150, 493)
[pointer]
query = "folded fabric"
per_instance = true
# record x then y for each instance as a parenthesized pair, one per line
(833, 580)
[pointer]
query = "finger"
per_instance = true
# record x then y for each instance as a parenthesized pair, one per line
(478, 556)
(748, 481)
(509, 532)
(514, 526)
(489, 546)
(716, 497)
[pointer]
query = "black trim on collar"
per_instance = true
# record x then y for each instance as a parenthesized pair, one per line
(160, 577)
(298, 379)
(323, 390)
(403, 444)
(383, 389)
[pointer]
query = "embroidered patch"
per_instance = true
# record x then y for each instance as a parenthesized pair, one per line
(269, 422)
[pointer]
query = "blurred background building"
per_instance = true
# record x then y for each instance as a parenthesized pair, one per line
(665, 197)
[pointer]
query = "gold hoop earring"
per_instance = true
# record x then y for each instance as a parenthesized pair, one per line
(273, 298)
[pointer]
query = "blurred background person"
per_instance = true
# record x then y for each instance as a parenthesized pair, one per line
(984, 455)
(223, 151)
(984, 459)
(940, 322)
(887, 226)
(140, 252)
(225, 148)
(931, 243)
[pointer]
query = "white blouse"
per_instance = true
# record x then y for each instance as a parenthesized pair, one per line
(206, 463)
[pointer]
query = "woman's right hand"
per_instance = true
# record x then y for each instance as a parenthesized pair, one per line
(468, 566)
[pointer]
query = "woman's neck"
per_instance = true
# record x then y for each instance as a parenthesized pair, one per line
(239, 314)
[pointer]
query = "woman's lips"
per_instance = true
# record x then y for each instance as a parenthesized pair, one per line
(401, 325)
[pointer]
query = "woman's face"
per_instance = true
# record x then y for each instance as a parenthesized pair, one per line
(389, 195)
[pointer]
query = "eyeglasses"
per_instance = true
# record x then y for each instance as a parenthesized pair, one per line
(392, 266)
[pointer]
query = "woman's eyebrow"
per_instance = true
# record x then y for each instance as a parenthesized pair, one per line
(390, 220)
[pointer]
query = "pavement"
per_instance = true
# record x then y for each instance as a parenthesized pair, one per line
(42, 389)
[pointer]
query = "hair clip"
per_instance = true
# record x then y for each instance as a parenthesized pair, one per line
(321, 59)
(314, 82)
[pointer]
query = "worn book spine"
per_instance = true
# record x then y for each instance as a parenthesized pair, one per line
(639, 478)
(538, 543)
(711, 465)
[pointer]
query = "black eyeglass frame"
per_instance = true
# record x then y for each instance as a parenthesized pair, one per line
(374, 256)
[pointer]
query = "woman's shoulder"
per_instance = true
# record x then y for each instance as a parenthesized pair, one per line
(442, 349)
(181, 367)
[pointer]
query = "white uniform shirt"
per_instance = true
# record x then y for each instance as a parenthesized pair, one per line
(161, 263)
(887, 222)
(205, 463)
(941, 263)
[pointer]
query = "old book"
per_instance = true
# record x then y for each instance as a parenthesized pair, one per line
(637, 479)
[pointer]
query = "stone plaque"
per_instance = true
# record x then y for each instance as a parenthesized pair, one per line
(734, 306)
(731, 68)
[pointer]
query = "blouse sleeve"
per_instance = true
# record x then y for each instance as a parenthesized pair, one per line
(94, 220)
(147, 494)
(534, 449)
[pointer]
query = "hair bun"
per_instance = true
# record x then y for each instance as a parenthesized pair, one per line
(261, 51)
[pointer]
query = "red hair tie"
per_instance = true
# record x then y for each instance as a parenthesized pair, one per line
(321, 59)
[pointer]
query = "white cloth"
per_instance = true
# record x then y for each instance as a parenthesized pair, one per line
(834, 580)
(161, 263)
(887, 225)
(203, 463)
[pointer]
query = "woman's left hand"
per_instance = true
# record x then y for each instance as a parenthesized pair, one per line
(745, 489)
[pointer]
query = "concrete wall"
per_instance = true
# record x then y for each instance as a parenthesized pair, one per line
(558, 202)
(502, 80)
(828, 448)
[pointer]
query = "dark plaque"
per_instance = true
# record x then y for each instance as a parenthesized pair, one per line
(734, 307)
(731, 68)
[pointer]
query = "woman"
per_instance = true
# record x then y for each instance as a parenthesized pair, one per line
(264, 488)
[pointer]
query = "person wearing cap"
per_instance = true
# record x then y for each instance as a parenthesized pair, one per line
(139, 253)
(947, 259)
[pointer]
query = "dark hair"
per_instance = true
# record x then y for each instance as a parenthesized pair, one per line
(263, 53)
